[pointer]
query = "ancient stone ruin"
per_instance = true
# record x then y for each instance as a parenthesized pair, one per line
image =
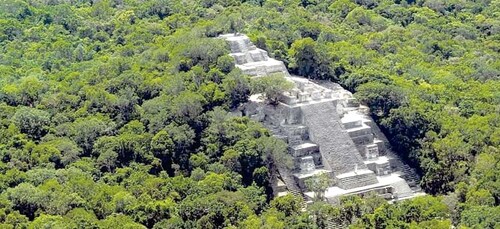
(327, 131)
(251, 60)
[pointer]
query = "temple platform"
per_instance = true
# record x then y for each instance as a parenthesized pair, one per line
(391, 186)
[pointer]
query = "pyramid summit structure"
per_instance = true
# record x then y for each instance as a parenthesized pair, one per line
(250, 59)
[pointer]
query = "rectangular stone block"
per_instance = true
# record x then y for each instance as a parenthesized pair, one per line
(383, 169)
(371, 152)
(351, 102)
(284, 114)
(304, 97)
(327, 93)
(307, 164)
(316, 95)
(363, 140)
(381, 146)
(350, 124)
(300, 177)
(359, 131)
(303, 149)
(291, 130)
(309, 88)
(356, 179)
(257, 55)
(288, 99)
(240, 58)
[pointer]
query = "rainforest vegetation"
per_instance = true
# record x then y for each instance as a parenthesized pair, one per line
(115, 113)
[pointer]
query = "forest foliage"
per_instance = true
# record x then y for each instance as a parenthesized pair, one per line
(114, 113)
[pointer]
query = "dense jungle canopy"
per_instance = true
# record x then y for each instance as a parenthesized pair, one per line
(114, 113)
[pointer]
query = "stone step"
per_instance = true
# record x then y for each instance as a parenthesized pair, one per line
(287, 178)
(274, 130)
(261, 68)
(359, 131)
(379, 166)
(363, 139)
(250, 56)
(302, 176)
(281, 186)
(350, 121)
(281, 137)
(350, 102)
(258, 55)
(304, 149)
(416, 189)
(292, 130)
(295, 140)
(402, 189)
(252, 70)
(381, 145)
(240, 58)
(356, 179)
(370, 152)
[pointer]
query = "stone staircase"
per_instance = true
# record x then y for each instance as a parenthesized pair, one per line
(299, 144)
(403, 188)
(410, 176)
(288, 179)
(303, 202)
(355, 121)
(291, 186)
(336, 147)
